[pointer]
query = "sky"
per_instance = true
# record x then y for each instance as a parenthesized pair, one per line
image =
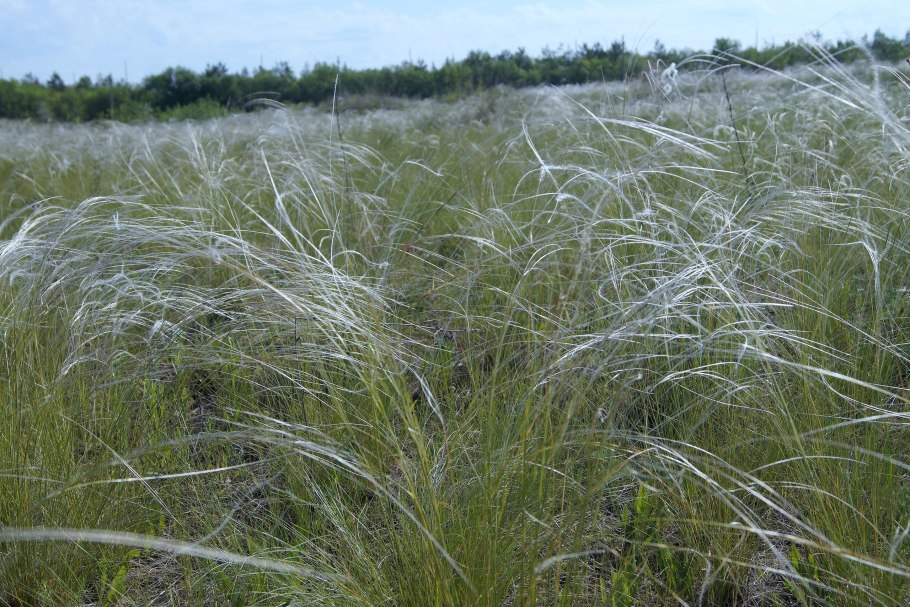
(132, 39)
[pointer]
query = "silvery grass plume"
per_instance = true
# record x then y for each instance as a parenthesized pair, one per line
(683, 277)
(152, 290)
(703, 285)
(568, 344)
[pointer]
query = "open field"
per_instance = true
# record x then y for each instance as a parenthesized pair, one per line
(639, 344)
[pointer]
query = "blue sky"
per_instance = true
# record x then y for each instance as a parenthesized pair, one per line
(141, 37)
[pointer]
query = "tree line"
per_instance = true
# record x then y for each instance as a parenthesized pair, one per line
(178, 92)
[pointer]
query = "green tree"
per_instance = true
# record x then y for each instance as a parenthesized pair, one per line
(885, 48)
(55, 83)
(726, 45)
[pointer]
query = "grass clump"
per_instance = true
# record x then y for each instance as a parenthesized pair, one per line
(591, 345)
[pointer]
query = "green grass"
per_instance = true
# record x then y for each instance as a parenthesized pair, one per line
(538, 347)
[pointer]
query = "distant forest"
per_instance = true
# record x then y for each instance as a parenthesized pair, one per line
(178, 92)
